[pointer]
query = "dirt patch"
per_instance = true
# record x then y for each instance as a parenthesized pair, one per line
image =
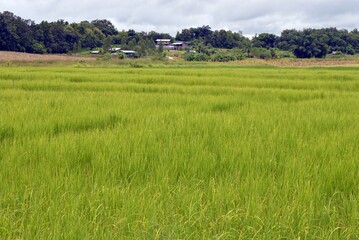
(298, 62)
(314, 62)
(27, 57)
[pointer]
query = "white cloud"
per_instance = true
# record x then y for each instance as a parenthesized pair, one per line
(249, 16)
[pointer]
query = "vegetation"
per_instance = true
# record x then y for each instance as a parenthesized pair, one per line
(21, 35)
(206, 152)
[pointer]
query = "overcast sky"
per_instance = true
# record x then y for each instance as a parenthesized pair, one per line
(170, 16)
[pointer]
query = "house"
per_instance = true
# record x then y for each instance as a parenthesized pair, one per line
(164, 42)
(129, 53)
(114, 49)
(179, 45)
(167, 45)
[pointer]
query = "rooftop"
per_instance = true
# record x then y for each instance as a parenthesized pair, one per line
(128, 51)
(163, 40)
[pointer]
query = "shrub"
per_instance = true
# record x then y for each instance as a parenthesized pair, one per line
(282, 54)
(107, 56)
(39, 48)
(121, 55)
(158, 56)
(196, 57)
(223, 57)
(136, 65)
(261, 53)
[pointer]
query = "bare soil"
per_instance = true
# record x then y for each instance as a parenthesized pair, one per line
(27, 57)
(299, 62)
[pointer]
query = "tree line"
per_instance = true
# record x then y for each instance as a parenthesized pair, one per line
(17, 34)
(305, 43)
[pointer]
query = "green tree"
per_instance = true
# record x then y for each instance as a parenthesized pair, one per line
(311, 45)
(38, 48)
(185, 35)
(105, 26)
(15, 33)
(289, 40)
(107, 43)
(265, 40)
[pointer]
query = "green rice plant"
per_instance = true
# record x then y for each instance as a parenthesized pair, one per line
(179, 152)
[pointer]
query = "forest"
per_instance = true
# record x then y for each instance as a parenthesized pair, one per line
(60, 37)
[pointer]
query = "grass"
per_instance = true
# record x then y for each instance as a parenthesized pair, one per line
(201, 152)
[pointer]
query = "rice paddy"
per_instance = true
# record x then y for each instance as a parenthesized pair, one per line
(205, 152)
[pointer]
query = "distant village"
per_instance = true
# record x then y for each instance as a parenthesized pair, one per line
(165, 44)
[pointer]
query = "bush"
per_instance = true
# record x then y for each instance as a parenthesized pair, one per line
(121, 55)
(223, 57)
(271, 53)
(239, 56)
(136, 65)
(196, 57)
(261, 53)
(39, 48)
(107, 56)
(283, 54)
(158, 56)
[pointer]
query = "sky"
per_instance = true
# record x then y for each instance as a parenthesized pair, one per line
(169, 16)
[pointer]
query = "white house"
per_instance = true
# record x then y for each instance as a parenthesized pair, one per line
(179, 45)
(129, 53)
(164, 42)
(167, 45)
(114, 49)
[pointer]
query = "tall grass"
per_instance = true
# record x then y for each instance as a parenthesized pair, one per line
(179, 153)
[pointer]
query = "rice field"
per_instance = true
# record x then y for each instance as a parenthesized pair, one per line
(211, 152)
